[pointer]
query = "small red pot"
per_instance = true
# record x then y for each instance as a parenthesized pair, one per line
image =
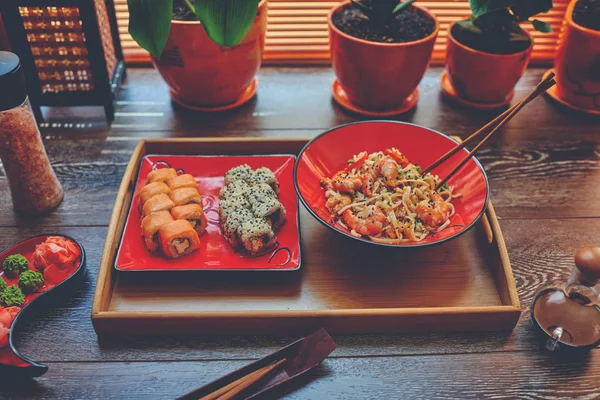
(577, 65)
(480, 77)
(378, 76)
(200, 73)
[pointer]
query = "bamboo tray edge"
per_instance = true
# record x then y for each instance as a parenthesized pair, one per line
(375, 320)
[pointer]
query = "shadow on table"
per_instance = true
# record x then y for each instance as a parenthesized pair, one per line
(319, 372)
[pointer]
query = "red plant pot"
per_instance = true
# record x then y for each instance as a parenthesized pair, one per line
(201, 73)
(479, 77)
(378, 76)
(577, 66)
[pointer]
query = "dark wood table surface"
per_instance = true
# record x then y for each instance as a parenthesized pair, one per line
(544, 169)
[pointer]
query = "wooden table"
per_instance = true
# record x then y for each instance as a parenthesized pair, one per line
(545, 176)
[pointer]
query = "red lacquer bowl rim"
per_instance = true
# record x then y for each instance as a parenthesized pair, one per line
(398, 246)
(36, 369)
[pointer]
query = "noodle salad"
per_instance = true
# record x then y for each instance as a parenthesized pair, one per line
(384, 197)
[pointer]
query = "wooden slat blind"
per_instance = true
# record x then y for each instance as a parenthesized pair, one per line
(297, 30)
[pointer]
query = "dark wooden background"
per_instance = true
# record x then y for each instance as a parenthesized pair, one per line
(545, 176)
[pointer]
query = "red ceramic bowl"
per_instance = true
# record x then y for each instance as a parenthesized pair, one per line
(328, 153)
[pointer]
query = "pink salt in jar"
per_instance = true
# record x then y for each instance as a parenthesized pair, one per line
(33, 183)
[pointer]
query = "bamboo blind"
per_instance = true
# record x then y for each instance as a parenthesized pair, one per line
(297, 30)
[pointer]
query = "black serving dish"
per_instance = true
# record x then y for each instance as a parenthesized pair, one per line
(13, 365)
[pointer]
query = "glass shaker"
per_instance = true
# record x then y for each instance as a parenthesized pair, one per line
(568, 311)
(33, 183)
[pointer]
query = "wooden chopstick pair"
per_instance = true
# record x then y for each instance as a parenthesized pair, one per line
(493, 126)
(235, 388)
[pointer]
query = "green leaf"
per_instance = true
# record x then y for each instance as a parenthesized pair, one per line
(402, 6)
(150, 23)
(362, 7)
(470, 26)
(482, 7)
(541, 26)
(516, 33)
(226, 22)
(524, 9)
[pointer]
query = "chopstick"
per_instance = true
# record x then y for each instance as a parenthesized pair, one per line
(495, 125)
(236, 387)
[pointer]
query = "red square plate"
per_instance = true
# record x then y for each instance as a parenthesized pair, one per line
(214, 253)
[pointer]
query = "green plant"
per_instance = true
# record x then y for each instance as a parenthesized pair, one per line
(380, 12)
(500, 18)
(226, 22)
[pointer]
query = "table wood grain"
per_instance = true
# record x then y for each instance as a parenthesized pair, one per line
(544, 170)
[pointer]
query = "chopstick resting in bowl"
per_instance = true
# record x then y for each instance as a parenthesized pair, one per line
(494, 125)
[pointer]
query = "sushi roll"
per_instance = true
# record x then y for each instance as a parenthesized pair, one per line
(239, 173)
(185, 196)
(231, 228)
(271, 211)
(150, 227)
(256, 236)
(160, 175)
(259, 192)
(151, 190)
(182, 181)
(178, 238)
(232, 204)
(193, 213)
(160, 202)
(264, 175)
(237, 188)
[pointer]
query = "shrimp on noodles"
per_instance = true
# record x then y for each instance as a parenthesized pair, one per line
(383, 196)
(368, 221)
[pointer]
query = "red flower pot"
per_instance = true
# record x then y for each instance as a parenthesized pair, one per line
(378, 76)
(480, 77)
(577, 66)
(201, 73)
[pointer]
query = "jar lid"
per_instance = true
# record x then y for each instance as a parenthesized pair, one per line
(587, 260)
(12, 81)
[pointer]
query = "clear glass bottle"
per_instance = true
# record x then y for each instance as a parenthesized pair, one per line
(568, 311)
(33, 183)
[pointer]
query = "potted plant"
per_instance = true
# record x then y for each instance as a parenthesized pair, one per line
(207, 51)
(488, 53)
(380, 50)
(577, 63)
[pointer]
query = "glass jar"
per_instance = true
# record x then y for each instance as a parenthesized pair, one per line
(33, 183)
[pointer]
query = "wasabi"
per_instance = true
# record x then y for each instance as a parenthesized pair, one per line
(30, 281)
(12, 296)
(15, 264)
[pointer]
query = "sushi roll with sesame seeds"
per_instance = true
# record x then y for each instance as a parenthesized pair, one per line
(264, 175)
(271, 210)
(256, 236)
(231, 228)
(237, 188)
(260, 192)
(232, 204)
(239, 173)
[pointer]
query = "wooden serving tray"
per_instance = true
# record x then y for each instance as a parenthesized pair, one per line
(465, 284)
